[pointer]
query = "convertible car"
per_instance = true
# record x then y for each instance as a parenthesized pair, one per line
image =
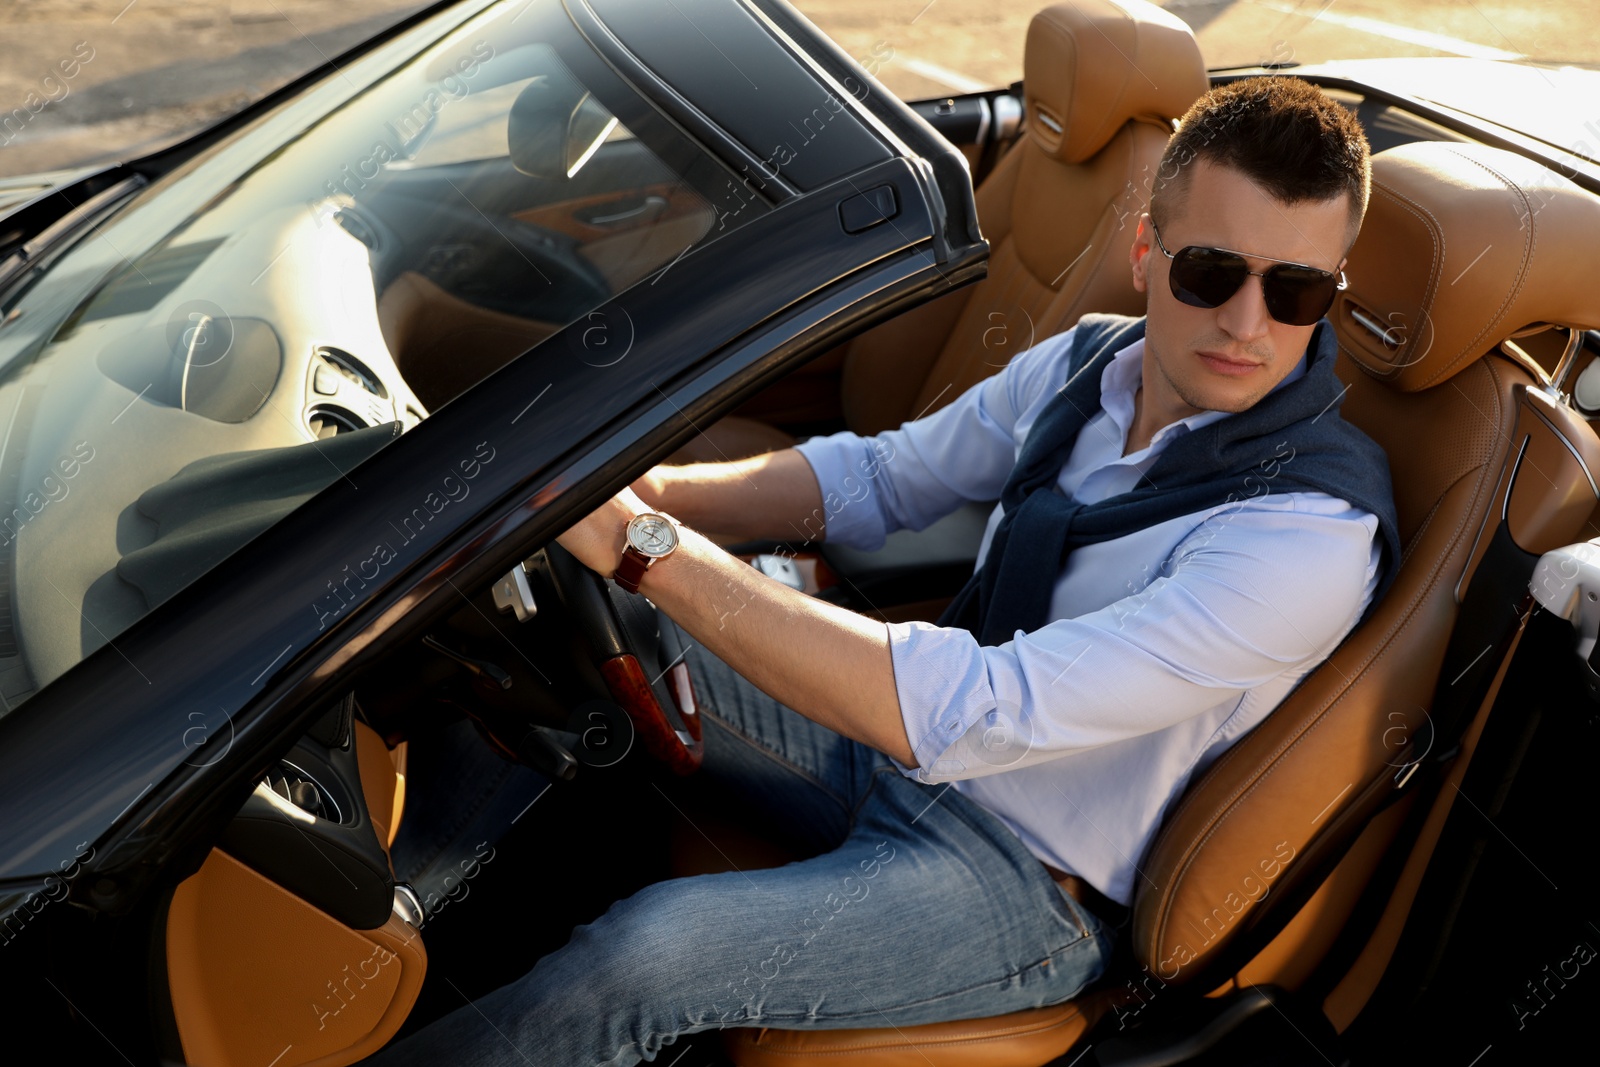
(291, 412)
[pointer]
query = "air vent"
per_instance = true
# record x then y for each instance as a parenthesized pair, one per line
(299, 792)
(357, 227)
(303, 791)
(343, 363)
(328, 420)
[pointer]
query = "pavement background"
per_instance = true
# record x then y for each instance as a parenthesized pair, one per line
(160, 68)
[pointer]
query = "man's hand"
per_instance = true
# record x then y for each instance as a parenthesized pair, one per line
(599, 538)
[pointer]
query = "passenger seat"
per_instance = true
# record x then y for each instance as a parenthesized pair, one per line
(1104, 83)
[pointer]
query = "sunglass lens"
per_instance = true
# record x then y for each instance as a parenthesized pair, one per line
(1298, 296)
(1206, 277)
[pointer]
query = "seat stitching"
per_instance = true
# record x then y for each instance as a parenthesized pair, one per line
(1435, 265)
(861, 1044)
(1122, 90)
(1529, 246)
(1069, 948)
(1072, 102)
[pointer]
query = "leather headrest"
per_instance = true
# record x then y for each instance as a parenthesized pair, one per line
(1092, 65)
(1463, 246)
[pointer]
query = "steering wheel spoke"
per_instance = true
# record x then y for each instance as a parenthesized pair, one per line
(680, 750)
(640, 660)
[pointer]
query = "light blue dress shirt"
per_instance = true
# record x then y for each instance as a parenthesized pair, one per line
(1163, 646)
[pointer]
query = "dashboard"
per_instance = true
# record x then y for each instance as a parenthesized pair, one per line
(201, 394)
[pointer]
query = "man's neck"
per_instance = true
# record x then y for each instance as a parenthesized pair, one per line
(1156, 404)
(1137, 437)
(1146, 421)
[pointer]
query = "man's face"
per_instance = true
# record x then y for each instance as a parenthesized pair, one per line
(1226, 358)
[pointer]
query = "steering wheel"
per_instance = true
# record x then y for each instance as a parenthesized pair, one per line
(641, 660)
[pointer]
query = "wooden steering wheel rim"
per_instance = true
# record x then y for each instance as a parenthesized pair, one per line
(595, 611)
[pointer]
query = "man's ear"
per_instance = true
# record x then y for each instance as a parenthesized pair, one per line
(1139, 253)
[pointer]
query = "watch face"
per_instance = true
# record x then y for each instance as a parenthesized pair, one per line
(652, 535)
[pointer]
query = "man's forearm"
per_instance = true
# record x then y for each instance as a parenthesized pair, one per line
(829, 664)
(769, 497)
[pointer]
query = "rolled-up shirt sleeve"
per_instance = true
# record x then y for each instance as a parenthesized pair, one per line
(912, 476)
(1236, 606)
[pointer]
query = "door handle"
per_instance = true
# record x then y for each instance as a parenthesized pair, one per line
(647, 210)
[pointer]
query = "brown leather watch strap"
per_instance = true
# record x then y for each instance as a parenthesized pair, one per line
(631, 570)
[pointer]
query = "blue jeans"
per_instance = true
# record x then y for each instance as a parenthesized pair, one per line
(923, 908)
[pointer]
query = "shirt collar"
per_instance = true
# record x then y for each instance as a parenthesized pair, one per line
(1121, 379)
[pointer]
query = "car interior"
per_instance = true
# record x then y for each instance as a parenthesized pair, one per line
(1278, 886)
(510, 202)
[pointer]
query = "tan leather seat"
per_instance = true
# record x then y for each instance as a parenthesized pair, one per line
(1463, 247)
(1104, 80)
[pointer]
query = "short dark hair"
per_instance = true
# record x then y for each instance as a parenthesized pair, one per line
(1281, 132)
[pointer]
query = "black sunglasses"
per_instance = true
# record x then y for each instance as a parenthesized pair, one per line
(1296, 294)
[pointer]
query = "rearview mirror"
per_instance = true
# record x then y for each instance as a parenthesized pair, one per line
(587, 130)
(555, 127)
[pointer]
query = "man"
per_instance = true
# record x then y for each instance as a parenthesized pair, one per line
(1186, 527)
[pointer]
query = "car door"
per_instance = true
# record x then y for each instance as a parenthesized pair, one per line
(219, 955)
(982, 126)
(199, 787)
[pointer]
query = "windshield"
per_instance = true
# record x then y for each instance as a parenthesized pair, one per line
(260, 321)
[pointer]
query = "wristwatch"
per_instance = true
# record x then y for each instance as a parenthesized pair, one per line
(650, 538)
